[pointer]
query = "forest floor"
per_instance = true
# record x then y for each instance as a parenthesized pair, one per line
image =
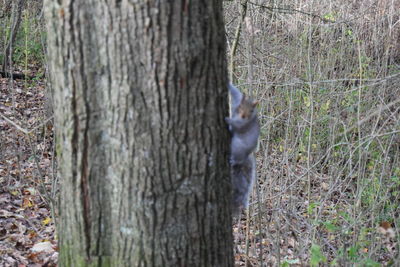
(27, 231)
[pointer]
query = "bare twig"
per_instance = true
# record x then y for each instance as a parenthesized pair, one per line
(235, 43)
(25, 131)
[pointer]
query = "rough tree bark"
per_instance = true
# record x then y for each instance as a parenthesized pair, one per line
(140, 98)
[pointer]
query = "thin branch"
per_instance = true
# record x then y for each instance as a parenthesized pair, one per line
(25, 131)
(243, 12)
(290, 11)
(376, 112)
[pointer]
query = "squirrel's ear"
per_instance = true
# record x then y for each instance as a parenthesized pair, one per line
(255, 103)
(243, 98)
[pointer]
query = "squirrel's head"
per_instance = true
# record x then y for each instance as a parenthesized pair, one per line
(246, 107)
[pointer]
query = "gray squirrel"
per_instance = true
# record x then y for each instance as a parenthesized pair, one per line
(245, 129)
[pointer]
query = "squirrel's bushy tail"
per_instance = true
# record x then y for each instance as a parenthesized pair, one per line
(243, 176)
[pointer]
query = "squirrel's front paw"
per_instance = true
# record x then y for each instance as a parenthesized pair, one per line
(228, 120)
(232, 162)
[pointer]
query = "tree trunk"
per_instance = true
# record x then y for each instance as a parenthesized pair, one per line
(8, 51)
(140, 97)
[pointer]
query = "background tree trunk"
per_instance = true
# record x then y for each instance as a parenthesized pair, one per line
(140, 98)
(8, 51)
